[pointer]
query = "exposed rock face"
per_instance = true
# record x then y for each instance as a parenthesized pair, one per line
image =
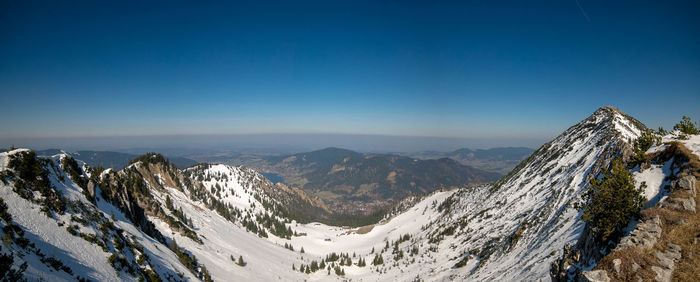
(667, 261)
(644, 236)
(560, 269)
(616, 265)
(680, 204)
(686, 183)
(594, 276)
(91, 189)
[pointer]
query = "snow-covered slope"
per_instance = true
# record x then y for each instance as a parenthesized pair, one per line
(217, 213)
(516, 227)
(77, 254)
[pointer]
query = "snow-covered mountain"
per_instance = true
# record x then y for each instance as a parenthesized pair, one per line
(153, 221)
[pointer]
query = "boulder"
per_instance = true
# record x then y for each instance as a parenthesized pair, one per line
(616, 266)
(91, 189)
(594, 276)
(686, 183)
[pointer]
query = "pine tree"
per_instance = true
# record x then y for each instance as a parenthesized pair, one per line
(377, 260)
(302, 250)
(686, 126)
(612, 200)
(240, 261)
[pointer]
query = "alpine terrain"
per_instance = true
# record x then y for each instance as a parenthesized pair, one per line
(354, 183)
(63, 220)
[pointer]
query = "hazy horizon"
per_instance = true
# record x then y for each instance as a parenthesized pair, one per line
(508, 72)
(268, 142)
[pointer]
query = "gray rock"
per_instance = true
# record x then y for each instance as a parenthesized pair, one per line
(667, 262)
(664, 260)
(644, 236)
(616, 266)
(91, 189)
(594, 276)
(680, 204)
(686, 183)
(559, 269)
(635, 267)
(674, 247)
(661, 274)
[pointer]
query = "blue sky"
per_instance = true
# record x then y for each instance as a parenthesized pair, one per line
(467, 69)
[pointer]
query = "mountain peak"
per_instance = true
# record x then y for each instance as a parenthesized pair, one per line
(608, 109)
(613, 118)
(335, 149)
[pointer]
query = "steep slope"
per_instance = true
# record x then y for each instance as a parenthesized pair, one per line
(516, 226)
(148, 220)
(61, 235)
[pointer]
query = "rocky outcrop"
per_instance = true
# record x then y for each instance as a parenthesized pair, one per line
(644, 236)
(686, 204)
(565, 267)
(644, 242)
(686, 183)
(680, 204)
(594, 276)
(667, 262)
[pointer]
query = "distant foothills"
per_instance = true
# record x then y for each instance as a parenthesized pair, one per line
(350, 182)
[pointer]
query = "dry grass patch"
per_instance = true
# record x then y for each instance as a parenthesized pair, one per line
(629, 257)
(365, 229)
(688, 237)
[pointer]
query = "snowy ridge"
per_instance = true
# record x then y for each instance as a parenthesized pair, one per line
(217, 213)
(515, 227)
(83, 258)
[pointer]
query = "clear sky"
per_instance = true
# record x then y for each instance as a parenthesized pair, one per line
(467, 69)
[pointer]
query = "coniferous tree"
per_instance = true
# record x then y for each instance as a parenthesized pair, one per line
(612, 200)
(686, 126)
(377, 260)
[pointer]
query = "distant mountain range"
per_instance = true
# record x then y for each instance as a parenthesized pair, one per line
(115, 160)
(501, 160)
(356, 183)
